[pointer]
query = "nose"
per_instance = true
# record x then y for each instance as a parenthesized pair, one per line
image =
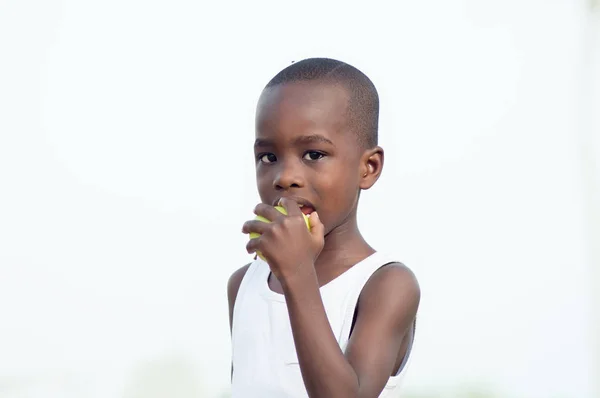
(288, 176)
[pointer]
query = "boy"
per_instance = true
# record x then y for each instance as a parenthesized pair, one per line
(325, 315)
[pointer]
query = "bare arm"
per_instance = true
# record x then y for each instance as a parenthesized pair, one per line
(388, 306)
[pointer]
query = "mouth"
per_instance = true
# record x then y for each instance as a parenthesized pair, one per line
(305, 206)
(306, 210)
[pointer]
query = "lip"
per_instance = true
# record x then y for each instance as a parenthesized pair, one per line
(301, 201)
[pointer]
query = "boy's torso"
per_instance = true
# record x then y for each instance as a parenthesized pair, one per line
(265, 362)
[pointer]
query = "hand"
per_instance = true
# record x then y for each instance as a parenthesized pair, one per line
(285, 242)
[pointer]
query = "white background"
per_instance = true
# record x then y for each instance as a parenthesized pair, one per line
(126, 173)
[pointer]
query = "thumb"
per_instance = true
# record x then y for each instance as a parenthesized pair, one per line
(317, 229)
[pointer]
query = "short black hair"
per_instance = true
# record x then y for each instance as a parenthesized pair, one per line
(363, 107)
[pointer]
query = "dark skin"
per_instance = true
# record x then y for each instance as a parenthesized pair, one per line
(307, 155)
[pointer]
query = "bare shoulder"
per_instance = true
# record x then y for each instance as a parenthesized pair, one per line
(386, 311)
(234, 282)
(233, 286)
(394, 279)
(393, 287)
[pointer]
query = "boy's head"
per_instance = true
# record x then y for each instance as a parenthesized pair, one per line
(362, 109)
(316, 138)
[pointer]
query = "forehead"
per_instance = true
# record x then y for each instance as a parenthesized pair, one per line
(302, 108)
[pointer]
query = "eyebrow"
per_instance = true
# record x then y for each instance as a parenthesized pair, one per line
(304, 139)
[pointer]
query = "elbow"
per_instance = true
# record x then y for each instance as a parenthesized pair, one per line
(346, 386)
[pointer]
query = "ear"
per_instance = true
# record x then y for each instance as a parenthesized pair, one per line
(371, 165)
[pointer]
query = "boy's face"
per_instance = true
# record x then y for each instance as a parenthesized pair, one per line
(305, 150)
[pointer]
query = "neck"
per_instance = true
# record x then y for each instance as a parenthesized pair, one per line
(344, 244)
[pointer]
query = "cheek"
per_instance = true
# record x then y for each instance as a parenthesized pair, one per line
(340, 191)
(350, 190)
(263, 184)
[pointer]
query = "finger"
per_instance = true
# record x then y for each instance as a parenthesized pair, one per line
(291, 207)
(317, 229)
(255, 226)
(267, 211)
(253, 245)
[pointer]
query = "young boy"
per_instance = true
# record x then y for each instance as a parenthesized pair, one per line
(325, 315)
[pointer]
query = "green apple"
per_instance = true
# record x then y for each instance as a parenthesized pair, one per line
(254, 235)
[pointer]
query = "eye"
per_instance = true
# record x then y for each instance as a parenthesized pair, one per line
(267, 158)
(313, 155)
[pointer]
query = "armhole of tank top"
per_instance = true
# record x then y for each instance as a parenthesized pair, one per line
(407, 355)
(241, 292)
(350, 310)
(354, 295)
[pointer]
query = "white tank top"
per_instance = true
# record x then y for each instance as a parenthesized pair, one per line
(265, 363)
